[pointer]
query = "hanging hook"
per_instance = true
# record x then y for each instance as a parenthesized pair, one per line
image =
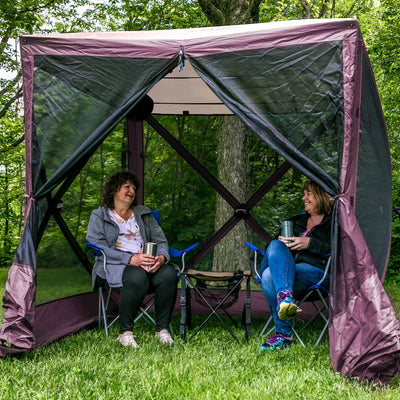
(181, 61)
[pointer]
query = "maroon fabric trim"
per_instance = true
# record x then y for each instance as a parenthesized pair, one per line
(275, 36)
(63, 317)
(18, 301)
(65, 45)
(364, 331)
(196, 42)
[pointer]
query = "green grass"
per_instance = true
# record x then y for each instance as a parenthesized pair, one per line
(211, 366)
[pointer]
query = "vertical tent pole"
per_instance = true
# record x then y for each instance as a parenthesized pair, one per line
(136, 153)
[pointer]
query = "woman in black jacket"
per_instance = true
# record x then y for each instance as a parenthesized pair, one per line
(292, 264)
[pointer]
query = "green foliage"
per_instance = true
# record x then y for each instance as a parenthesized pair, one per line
(12, 183)
(382, 35)
(275, 10)
(130, 15)
(186, 201)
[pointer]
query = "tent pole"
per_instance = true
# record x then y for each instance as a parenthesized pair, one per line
(134, 129)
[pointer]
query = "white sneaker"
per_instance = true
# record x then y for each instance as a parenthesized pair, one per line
(127, 339)
(164, 337)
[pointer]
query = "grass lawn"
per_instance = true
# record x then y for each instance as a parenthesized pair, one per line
(211, 366)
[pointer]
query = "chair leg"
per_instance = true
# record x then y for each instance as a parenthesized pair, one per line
(266, 326)
(171, 329)
(144, 312)
(182, 327)
(214, 310)
(247, 310)
(100, 309)
(297, 335)
(102, 306)
(322, 333)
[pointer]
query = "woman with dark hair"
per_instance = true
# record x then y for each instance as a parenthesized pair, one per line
(120, 228)
(292, 264)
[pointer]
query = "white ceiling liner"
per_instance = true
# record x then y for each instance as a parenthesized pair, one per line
(184, 92)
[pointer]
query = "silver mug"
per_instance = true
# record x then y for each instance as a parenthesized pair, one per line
(287, 229)
(150, 248)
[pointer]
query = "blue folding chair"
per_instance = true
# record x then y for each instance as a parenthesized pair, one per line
(316, 294)
(104, 303)
(149, 300)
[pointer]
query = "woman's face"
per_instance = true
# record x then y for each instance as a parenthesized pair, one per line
(125, 194)
(310, 202)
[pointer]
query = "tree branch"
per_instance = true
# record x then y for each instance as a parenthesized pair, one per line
(213, 11)
(306, 8)
(10, 102)
(34, 9)
(15, 144)
(4, 39)
(353, 10)
(323, 9)
(11, 84)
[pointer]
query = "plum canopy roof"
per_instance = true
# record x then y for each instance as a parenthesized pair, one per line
(305, 88)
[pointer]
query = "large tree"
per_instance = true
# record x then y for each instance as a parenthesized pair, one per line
(232, 148)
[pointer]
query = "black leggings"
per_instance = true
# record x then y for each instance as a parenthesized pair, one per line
(136, 283)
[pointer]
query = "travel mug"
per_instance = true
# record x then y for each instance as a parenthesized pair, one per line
(150, 248)
(287, 229)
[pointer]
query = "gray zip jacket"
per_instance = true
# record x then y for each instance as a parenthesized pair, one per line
(103, 232)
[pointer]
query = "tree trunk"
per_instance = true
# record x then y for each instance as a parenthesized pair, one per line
(233, 148)
(233, 172)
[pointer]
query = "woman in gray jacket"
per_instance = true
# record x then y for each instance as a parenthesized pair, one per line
(120, 228)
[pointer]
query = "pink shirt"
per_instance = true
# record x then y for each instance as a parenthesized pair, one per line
(304, 234)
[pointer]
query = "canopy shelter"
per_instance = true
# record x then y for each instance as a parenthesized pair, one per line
(304, 87)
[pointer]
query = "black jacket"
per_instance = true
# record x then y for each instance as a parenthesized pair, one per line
(320, 240)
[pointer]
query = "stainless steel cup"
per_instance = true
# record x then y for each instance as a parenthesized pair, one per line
(150, 248)
(287, 229)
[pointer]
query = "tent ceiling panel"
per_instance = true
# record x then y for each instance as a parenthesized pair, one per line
(184, 92)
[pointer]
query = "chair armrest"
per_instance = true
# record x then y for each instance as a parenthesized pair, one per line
(175, 253)
(99, 252)
(257, 252)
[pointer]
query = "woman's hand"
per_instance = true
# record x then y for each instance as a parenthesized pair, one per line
(159, 260)
(141, 260)
(147, 262)
(295, 243)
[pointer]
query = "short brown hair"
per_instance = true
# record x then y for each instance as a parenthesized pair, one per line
(324, 199)
(113, 183)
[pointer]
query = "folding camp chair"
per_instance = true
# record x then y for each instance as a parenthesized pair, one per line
(149, 299)
(316, 294)
(217, 291)
(104, 303)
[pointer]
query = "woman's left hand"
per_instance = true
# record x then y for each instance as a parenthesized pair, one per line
(160, 260)
(297, 243)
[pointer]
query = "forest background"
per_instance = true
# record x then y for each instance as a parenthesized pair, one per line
(187, 203)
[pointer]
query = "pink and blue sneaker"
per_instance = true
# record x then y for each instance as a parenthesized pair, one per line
(276, 342)
(287, 307)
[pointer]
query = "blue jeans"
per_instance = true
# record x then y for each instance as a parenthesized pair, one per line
(280, 273)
